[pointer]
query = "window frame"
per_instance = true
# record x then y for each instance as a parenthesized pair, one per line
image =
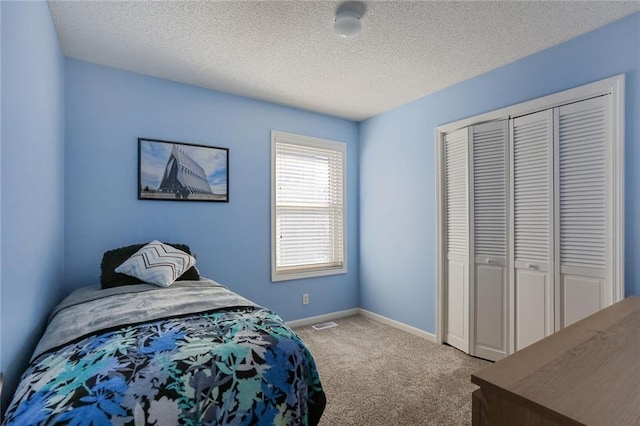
(307, 141)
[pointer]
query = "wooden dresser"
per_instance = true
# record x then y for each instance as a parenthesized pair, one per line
(586, 374)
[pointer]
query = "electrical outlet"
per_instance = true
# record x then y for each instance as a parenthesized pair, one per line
(305, 299)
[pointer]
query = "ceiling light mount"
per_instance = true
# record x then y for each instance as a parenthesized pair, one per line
(348, 19)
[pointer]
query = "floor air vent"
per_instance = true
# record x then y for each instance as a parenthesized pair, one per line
(324, 325)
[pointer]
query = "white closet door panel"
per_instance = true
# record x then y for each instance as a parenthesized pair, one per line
(532, 215)
(491, 322)
(583, 192)
(456, 169)
(533, 316)
(457, 305)
(582, 296)
(489, 142)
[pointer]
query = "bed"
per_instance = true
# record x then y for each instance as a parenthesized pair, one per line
(191, 353)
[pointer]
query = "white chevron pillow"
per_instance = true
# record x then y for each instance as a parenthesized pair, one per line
(157, 263)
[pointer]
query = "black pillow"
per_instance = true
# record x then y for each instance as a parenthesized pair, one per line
(113, 258)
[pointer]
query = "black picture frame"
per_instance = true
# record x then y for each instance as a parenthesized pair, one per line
(181, 171)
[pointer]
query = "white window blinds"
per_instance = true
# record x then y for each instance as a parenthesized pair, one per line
(308, 204)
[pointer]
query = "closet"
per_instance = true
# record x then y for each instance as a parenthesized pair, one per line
(530, 216)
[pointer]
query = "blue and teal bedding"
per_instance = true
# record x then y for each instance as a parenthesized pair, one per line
(194, 353)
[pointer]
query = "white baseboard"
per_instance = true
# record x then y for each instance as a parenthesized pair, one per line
(399, 325)
(303, 322)
(322, 318)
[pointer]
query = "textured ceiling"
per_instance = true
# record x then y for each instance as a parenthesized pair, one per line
(286, 51)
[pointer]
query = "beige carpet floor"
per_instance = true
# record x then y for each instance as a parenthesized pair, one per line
(376, 375)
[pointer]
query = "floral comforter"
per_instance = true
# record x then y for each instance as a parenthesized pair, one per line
(228, 366)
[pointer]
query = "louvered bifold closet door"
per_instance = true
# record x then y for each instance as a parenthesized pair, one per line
(489, 142)
(584, 210)
(456, 166)
(532, 210)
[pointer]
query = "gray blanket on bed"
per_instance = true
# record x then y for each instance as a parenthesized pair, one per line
(91, 309)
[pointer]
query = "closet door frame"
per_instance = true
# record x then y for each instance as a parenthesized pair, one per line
(614, 86)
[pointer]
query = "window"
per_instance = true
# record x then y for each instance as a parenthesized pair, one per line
(308, 202)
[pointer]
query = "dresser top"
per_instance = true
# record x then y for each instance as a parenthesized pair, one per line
(587, 373)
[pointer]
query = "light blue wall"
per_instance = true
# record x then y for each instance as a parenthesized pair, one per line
(108, 109)
(32, 180)
(397, 169)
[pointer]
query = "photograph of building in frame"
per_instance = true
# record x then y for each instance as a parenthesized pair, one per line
(179, 171)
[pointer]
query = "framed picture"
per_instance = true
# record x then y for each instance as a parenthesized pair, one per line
(179, 171)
